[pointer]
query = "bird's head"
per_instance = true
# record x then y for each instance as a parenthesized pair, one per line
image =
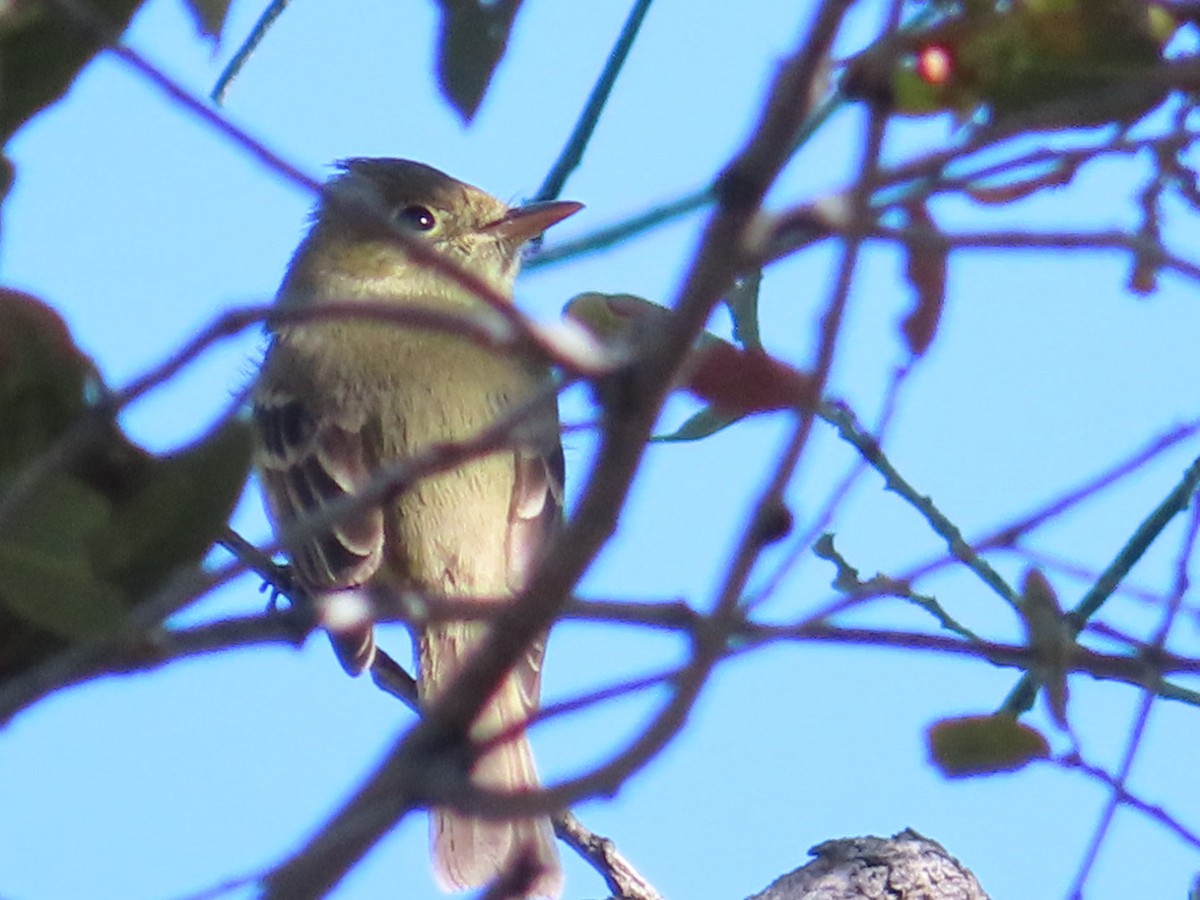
(353, 242)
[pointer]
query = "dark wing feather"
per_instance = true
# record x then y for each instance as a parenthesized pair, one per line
(307, 462)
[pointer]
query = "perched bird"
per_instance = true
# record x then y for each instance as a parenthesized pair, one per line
(340, 397)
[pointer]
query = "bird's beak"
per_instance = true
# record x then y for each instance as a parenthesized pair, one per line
(523, 223)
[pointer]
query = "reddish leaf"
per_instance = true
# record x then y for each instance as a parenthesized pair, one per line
(734, 382)
(740, 382)
(980, 745)
(925, 268)
(1058, 175)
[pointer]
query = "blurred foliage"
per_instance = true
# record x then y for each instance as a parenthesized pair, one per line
(84, 541)
(732, 381)
(43, 47)
(474, 36)
(1076, 60)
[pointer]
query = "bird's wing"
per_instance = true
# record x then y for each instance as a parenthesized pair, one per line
(536, 511)
(306, 462)
(534, 519)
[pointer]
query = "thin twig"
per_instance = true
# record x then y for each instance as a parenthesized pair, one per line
(822, 520)
(388, 675)
(619, 232)
(625, 882)
(1157, 813)
(1133, 742)
(234, 67)
(1022, 696)
(1007, 535)
(841, 419)
(572, 153)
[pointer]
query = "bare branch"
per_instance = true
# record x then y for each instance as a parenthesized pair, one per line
(618, 873)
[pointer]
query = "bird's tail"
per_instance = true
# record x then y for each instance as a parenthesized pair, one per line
(469, 851)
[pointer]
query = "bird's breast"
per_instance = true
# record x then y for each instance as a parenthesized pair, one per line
(421, 385)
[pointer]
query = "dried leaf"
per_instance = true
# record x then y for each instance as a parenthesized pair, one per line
(981, 745)
(1143, 279)
(1147, 258)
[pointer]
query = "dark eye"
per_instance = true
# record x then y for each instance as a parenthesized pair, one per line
(418, 218)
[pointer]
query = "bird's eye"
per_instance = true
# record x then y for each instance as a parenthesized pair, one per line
(418, 218)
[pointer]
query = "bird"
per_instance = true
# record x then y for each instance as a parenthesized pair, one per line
(338, 398)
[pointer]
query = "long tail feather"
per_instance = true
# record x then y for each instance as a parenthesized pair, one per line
(469, 851)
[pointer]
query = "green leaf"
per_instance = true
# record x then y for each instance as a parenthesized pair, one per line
(43, 378)
(61, 515)
(176, 510)
(46, 576)
(80, 547)
(983, 745)
(616, 318)
(62, 596)
(627, 319)
(474, 36)
(913, 95)
(703, 424)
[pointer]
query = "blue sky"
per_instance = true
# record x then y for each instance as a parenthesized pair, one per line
(140, 224)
